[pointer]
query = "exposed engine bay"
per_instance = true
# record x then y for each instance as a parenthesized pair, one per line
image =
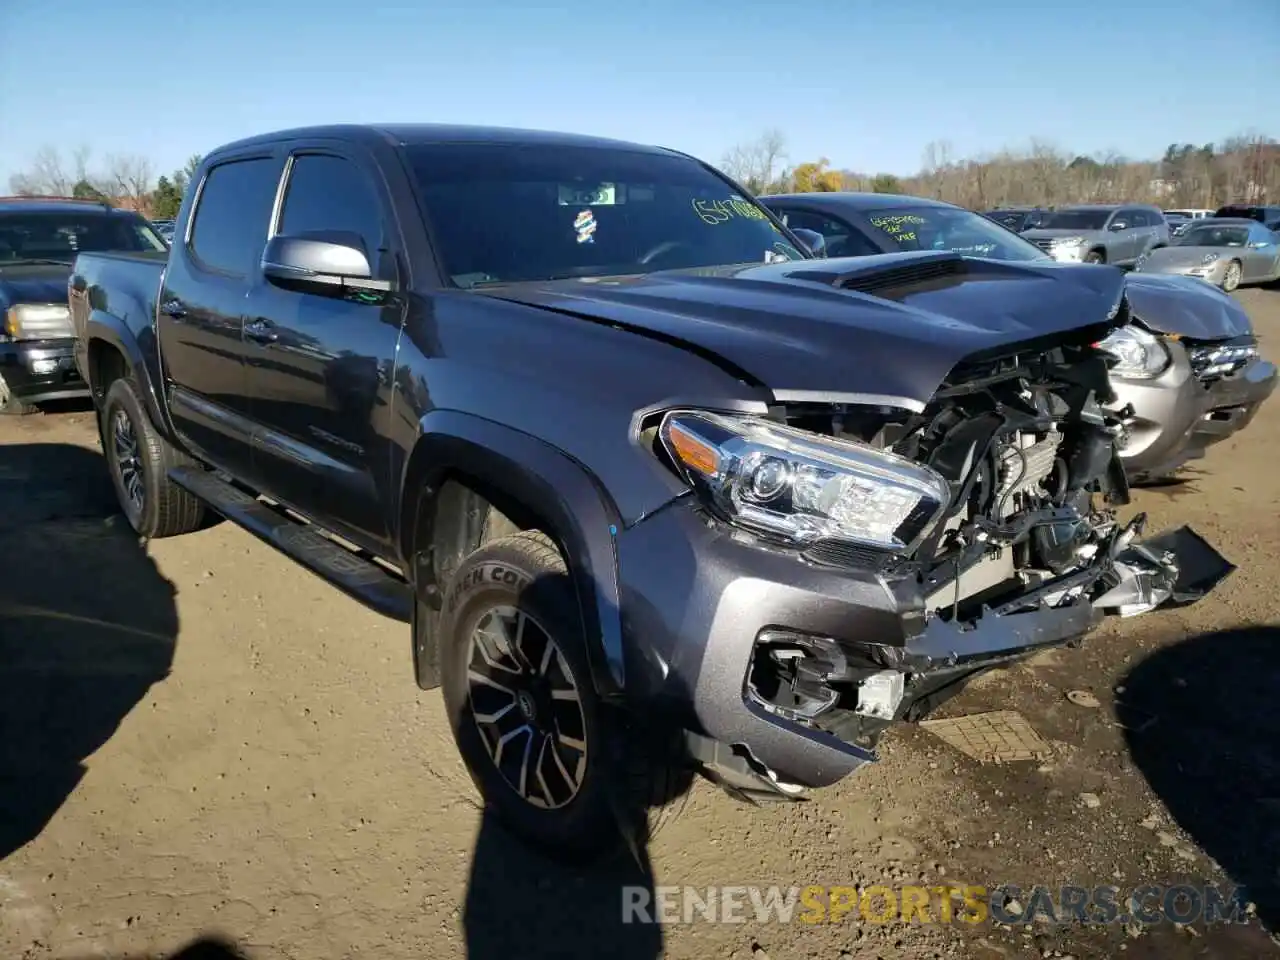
(1030, 455)
(1031, 459)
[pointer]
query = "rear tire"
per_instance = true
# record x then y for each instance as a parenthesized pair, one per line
(139, 460)
(561, 768)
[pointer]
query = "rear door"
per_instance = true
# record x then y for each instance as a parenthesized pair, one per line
(1125, 243)
(201, 307)
(321, 365)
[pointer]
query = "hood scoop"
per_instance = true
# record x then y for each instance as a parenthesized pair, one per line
(894, 276)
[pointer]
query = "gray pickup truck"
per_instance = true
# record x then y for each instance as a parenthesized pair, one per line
(1098, 233)
(657, 491)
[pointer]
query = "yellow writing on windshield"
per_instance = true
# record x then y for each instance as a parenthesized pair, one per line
(897, 224)
(722, 211)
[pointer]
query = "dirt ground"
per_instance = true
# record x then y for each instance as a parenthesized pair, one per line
(202, 743)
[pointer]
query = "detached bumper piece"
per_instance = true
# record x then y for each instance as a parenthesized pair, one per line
(854, 690)
(1175, 569)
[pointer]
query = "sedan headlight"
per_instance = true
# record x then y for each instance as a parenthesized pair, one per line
(802, 487)
(39, 321)
(1139, 355)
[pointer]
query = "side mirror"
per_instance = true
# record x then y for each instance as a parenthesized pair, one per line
(1117, 225)
(813, 241)
(329, 264)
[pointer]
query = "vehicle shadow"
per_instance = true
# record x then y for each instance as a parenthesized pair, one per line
(202, 948)
(1202, 726)
(87, 625)
(519, 904)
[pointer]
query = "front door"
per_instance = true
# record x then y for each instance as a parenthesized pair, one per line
(201, 308)
(320, 366)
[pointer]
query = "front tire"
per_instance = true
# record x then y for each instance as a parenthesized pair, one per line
(553, 761)
(1095, 256)
(139, 460)
(1231, 277)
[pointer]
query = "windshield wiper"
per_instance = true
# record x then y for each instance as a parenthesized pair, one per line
(26, 261)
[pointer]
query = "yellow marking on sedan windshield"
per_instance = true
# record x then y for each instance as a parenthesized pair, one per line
(897, 224)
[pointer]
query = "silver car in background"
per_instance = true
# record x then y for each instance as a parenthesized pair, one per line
(1117, 234)
(1224, 252)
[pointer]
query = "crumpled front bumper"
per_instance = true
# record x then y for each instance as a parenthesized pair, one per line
(1176, 416)
(698, 597)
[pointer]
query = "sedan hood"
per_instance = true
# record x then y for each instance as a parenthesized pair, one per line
(1179, 257)
(884, 329)
(33, 283)
(1185, 306)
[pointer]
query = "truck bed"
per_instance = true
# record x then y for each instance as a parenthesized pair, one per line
(122, 285)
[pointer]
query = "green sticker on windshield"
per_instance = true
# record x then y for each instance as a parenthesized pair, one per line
(731, 208)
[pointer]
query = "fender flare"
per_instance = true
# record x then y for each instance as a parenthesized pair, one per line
(582, 518)
(113, 331)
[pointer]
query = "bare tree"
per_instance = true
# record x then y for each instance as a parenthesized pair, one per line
(131, 179)
(757, 164)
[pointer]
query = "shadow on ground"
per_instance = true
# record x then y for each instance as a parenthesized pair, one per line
(1212, 753)
(203, 948)
(518, 904)
(87, 625)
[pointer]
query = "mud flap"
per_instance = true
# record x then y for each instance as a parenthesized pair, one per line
(1174, 569)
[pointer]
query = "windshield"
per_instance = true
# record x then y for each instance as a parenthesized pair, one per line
(950, 228)
(60, 235)
(1206, 236)
(506, 213)
(1075, 220)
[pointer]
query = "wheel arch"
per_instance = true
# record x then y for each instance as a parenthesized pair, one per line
(468, 480)
(111, 350)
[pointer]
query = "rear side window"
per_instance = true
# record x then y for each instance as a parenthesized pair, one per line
(328, 194)
(230, 227)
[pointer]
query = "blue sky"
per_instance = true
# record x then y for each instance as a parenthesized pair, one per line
(867, 84)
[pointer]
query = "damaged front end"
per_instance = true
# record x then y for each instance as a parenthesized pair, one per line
(996, 526)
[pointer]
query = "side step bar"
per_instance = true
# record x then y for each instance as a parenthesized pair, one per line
(361, 578)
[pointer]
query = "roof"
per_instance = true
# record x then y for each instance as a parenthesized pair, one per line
(54, 205)
(856, 201)
(413, 134)
(1226, 221)
(1106, 206)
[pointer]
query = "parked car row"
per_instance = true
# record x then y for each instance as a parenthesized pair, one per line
(1132, 236)
(1173, 413)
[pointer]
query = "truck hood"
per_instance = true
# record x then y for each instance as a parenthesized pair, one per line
(885, 329)
(33, 283)
(1185, 307)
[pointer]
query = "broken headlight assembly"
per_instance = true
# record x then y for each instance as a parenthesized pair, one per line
(1135, 353)
(800, 487)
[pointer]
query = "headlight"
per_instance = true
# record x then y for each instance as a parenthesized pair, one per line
(39, 321)
(1139, 355)
(1209, 258)
(802, 487)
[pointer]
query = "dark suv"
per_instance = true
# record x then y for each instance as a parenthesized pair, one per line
(39, 238)
(1266, 214)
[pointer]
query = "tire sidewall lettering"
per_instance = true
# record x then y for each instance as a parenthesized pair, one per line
(486, 576)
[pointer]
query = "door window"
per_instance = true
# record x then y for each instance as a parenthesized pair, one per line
(230, 226)
(328, 194)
